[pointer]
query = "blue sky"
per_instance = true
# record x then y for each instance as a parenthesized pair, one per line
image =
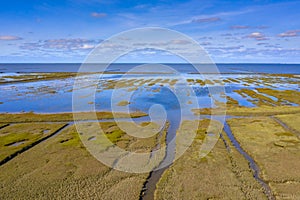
(230, 31)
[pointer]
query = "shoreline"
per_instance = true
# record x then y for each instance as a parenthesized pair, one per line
(59, 117)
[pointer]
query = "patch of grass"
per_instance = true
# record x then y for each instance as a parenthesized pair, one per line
(233, 80)
(115, 136)
(291, 120)
(226, 81)
(32, 77)
(208, 82)
(231, 102)
(123, 103)
(250, 111)
(58, 117)
(2, 125)
(201, 82)
(289, 95)
(173, 82)
(119, 136)
(15, 137)
(258, 99)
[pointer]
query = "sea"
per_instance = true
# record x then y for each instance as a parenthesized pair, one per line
(124, 67)
(52, 96)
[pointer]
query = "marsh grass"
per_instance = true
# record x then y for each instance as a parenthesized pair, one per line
(258, 99)
(291, 120)
(249, 111)
(220, 175)
(2, 125)
(123, 103)
(289, 95)
(15, 137)
(61, 167)
(32, 77)
(275, 150)
(62, 117)
(134, 144)
(196, 81)
(65, 170)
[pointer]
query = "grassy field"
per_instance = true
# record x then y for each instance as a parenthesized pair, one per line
(61, 168)
(3, 125)
(220, 175)
(275, 149)
(17, 136)
(250, 111)
(62, 117)
(292, 121)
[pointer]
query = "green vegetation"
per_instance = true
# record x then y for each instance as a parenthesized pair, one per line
(62, 117)
(231, 102)
(15, 137)
(123, 103)
(292, 121)
(233, 80)
(31, 77)
(220, 175)
(289, 95)
(2, 125)
(196, 81)
(62, 168)
(258, 99)
(250, 111)
(208, 82)
(275, 150)
(173, 82)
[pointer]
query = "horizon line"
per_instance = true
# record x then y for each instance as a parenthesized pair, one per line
(148, 63)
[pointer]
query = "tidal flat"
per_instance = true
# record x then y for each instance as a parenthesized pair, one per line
(43, 157)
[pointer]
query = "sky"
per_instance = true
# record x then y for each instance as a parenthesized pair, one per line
(52, 31)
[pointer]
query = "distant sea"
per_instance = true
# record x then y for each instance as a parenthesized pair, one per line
(239, 68)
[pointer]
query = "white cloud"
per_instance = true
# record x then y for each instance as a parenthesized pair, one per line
(247, 27)
(10, 37)
(98, 15)
(292, 33)
(203, 20)
(61, 44)
(87, 46)
(257, 36)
